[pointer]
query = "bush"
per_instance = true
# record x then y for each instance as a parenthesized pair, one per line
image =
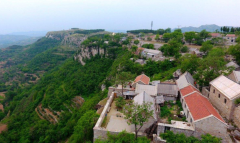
(184, 49)
(237, 101)
(165, 111)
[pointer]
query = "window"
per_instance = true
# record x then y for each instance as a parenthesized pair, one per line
(225, 100)
(185, 105)
(213, 90)
(219, 95)
(191, 120)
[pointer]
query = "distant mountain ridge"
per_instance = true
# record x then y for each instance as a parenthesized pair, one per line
(210, 28)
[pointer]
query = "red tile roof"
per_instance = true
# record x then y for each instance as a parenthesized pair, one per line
(230, 35)
(189, 89)
(145, 79)
(214, 34)
(200, 107)
(139, 50)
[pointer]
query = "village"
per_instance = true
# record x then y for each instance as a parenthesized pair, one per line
(179, 104)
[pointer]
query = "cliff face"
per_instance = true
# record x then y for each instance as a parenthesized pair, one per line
(72, 39)
(87, 53)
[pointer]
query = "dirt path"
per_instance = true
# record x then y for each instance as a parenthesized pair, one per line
(2, 94)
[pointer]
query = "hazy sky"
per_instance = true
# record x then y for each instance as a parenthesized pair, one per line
(46, 15)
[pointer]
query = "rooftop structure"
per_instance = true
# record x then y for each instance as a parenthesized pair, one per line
(143, 98)
(232, 64)
(187, 90)
(235, 76)
(185, 80)
(226, 86)
(167, 89)
(142, 79)
(200, 107)
(149, 89)
(231, 35)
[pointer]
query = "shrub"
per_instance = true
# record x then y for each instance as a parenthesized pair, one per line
(165, 111)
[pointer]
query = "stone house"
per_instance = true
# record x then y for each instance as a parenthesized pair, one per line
(141, 79)
(233, 64)
(235, 76)
(231, 37)
(185, 80)
(200, 112)
(215, 35)
(152, 54)
(169, 91)
(223, 93)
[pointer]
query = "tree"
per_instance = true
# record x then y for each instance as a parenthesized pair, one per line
(204, 34)
(168, 30)
(167, 37)
(134, 48)
(137, 115)
(206, 47)
(120, 102)
(232, 30)
(157, 37)
(83, 130)
(180, 138)
(149, 38)
(221, 29)
(123, 78)
(136, 42)
(189, 62)
(189, 36)
(184, 49)
(148, 46)
(235, 51)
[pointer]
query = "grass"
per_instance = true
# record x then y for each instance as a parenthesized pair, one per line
(1, 97)
(170, 111)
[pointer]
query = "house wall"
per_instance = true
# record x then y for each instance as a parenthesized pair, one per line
(187, 113)
(236, 116)
(169, 98)
(232, 77)
(161, 129)
(139, 82)
(224, 109)
(210, 125)
(205, 92)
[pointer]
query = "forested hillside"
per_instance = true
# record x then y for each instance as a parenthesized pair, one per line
(51, 87)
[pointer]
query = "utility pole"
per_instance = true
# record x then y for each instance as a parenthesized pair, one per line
(151, 25)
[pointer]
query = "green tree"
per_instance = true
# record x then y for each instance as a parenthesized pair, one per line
(206, 47)
(136, 42)
(232, 30)
(120, 102)
(137, 115)
(83, 131)
(235, 51)
(189, 36)
(190, 63)
(123, 78)
(157, 37)
(170, 137)
(204, 34)
(184, 49)
(167, 37)
(134, 48)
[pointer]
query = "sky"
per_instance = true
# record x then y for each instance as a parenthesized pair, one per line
(51, 15)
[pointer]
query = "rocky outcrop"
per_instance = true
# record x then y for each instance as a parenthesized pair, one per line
(87, 53)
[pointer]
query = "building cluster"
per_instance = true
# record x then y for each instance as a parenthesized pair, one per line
(214, 109)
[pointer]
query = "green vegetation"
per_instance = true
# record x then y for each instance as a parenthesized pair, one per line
(146, 31)
(137, 115)
(148, 46)
(123, 137)
(120, 102)
(170, 137)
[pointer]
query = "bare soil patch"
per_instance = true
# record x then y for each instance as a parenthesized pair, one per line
(3, 127)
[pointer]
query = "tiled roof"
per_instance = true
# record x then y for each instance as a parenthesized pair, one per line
(145, 79)
(139, 50)
(214, 34)
(230, 35)
(189, 89)
(200, 107)
(227, 87)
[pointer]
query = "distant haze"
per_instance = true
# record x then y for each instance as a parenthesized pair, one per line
(48, 15)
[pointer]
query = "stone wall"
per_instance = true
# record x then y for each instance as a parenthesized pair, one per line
(236, 116)
(169, 98)
(205, 92)
(210, 125)
(223, 108)
(161, 129)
